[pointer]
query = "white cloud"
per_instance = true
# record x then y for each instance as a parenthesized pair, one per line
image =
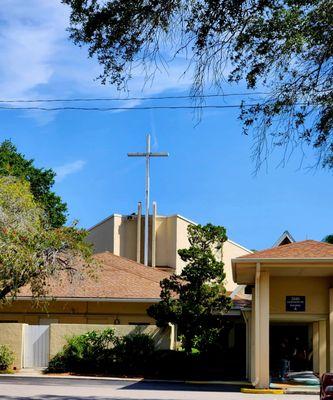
(30, 33)
(68, 169)
(39, 61)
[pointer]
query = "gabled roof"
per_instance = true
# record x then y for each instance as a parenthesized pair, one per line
(285, 238)
(299, 250)
(115, 278)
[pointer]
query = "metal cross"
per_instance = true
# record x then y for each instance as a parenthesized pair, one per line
(148, 154)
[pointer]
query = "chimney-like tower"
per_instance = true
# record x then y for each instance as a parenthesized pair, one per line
(153, 235)
(138, 233)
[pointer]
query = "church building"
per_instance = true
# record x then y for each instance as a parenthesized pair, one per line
(123, 235)
(282, 298)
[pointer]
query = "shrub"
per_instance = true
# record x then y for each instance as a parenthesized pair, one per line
(58, 363)
(102, 352)
(132, 354)
(6, 357)
(86, 352)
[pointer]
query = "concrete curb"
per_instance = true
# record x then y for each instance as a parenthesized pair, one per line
(315, 392)
(296, 389)
(79, 377)
(107, 378)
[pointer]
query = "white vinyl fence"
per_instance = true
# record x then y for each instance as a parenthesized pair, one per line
(36, 346)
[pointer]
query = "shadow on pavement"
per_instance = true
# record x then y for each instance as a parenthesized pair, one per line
(118, 384)
(40, 381)
(165, 386)
(54, 397)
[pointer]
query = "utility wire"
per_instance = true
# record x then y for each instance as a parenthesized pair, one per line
(212, 106)
(204, 96)
(131, 98)
(122, 108)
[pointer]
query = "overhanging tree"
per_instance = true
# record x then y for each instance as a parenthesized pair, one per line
(41, 180)
(32, 253)
(281, 46)
(196, 299)
(328, 239)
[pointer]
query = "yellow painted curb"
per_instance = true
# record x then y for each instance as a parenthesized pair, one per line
(262, 391)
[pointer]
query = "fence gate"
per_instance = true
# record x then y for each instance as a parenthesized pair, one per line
(36, 346)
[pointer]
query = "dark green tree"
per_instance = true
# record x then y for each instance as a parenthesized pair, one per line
(196, 299)
(328, 239)
(41, 180)
(282, 47)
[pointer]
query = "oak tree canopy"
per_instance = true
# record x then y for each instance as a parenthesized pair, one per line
(282, 47)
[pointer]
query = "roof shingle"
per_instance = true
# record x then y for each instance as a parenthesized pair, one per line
(304, 249)
(116, 278)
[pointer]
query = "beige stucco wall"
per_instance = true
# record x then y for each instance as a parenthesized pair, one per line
(162, 248)
(11, 335)
(165, 241)
(125, 237)
(315, 290)
(231, 250)
(172, 236)
(59, 333)
(76, 312)
(181, 242)
(102, 236)
(118, 234)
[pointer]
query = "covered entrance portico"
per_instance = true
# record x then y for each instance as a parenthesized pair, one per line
(292, 288)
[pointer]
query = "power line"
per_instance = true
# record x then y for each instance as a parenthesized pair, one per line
(123, 108)
(132, 98)
(175, 97)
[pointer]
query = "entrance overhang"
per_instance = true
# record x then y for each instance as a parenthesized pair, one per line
(244, 270)
(290, 284)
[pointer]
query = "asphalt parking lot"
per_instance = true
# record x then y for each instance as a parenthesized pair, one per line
(47, 388)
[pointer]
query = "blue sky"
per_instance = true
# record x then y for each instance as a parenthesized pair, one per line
(209, 174)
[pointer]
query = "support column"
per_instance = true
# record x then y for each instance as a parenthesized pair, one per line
(252, 344)
(264, 331)
(322, 348)
(138, 233)
(153, 236)
(331, 330)
(247, 319)
(315, 346)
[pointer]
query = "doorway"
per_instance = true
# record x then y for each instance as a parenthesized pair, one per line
(290, 342)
